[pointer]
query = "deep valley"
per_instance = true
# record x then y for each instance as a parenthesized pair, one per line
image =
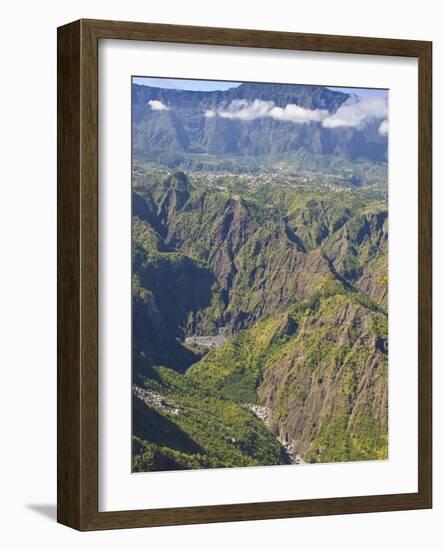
(257, 297)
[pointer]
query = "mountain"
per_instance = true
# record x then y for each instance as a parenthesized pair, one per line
(320, 368)
(329, 389)
(265, 123)
(288, 284)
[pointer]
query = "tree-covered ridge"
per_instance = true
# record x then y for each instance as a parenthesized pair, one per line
(295, 277)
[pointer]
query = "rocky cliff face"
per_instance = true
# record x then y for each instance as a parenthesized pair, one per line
(359, 252)
(328, 393)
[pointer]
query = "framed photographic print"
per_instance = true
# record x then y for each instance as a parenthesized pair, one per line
(244, 276)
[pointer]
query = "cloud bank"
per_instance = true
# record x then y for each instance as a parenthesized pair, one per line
(157, 105)
(242, 109)
(298, 115)
(357, 113)
(354, 113)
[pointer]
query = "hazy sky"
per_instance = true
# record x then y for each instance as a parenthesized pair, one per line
(182, 84)
(210, 85)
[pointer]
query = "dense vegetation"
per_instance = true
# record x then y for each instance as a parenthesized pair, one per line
(207, 432)
(295, 277)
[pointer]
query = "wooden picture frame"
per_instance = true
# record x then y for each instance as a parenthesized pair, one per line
(77, 481)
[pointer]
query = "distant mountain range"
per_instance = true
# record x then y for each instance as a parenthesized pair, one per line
(272, 121)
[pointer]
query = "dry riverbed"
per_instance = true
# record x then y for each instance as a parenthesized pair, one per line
(264, 414)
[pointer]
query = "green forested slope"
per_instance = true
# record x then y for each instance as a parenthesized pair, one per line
(208, 431)
(296, 279)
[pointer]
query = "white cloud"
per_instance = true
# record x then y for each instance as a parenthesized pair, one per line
(157, 105)
(299, 115)
(355, 113)
(383, 129)
(242, 109)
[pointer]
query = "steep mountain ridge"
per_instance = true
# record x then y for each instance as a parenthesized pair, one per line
(329, 392)
(186, 128)
(296, 279)
(258, 266)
